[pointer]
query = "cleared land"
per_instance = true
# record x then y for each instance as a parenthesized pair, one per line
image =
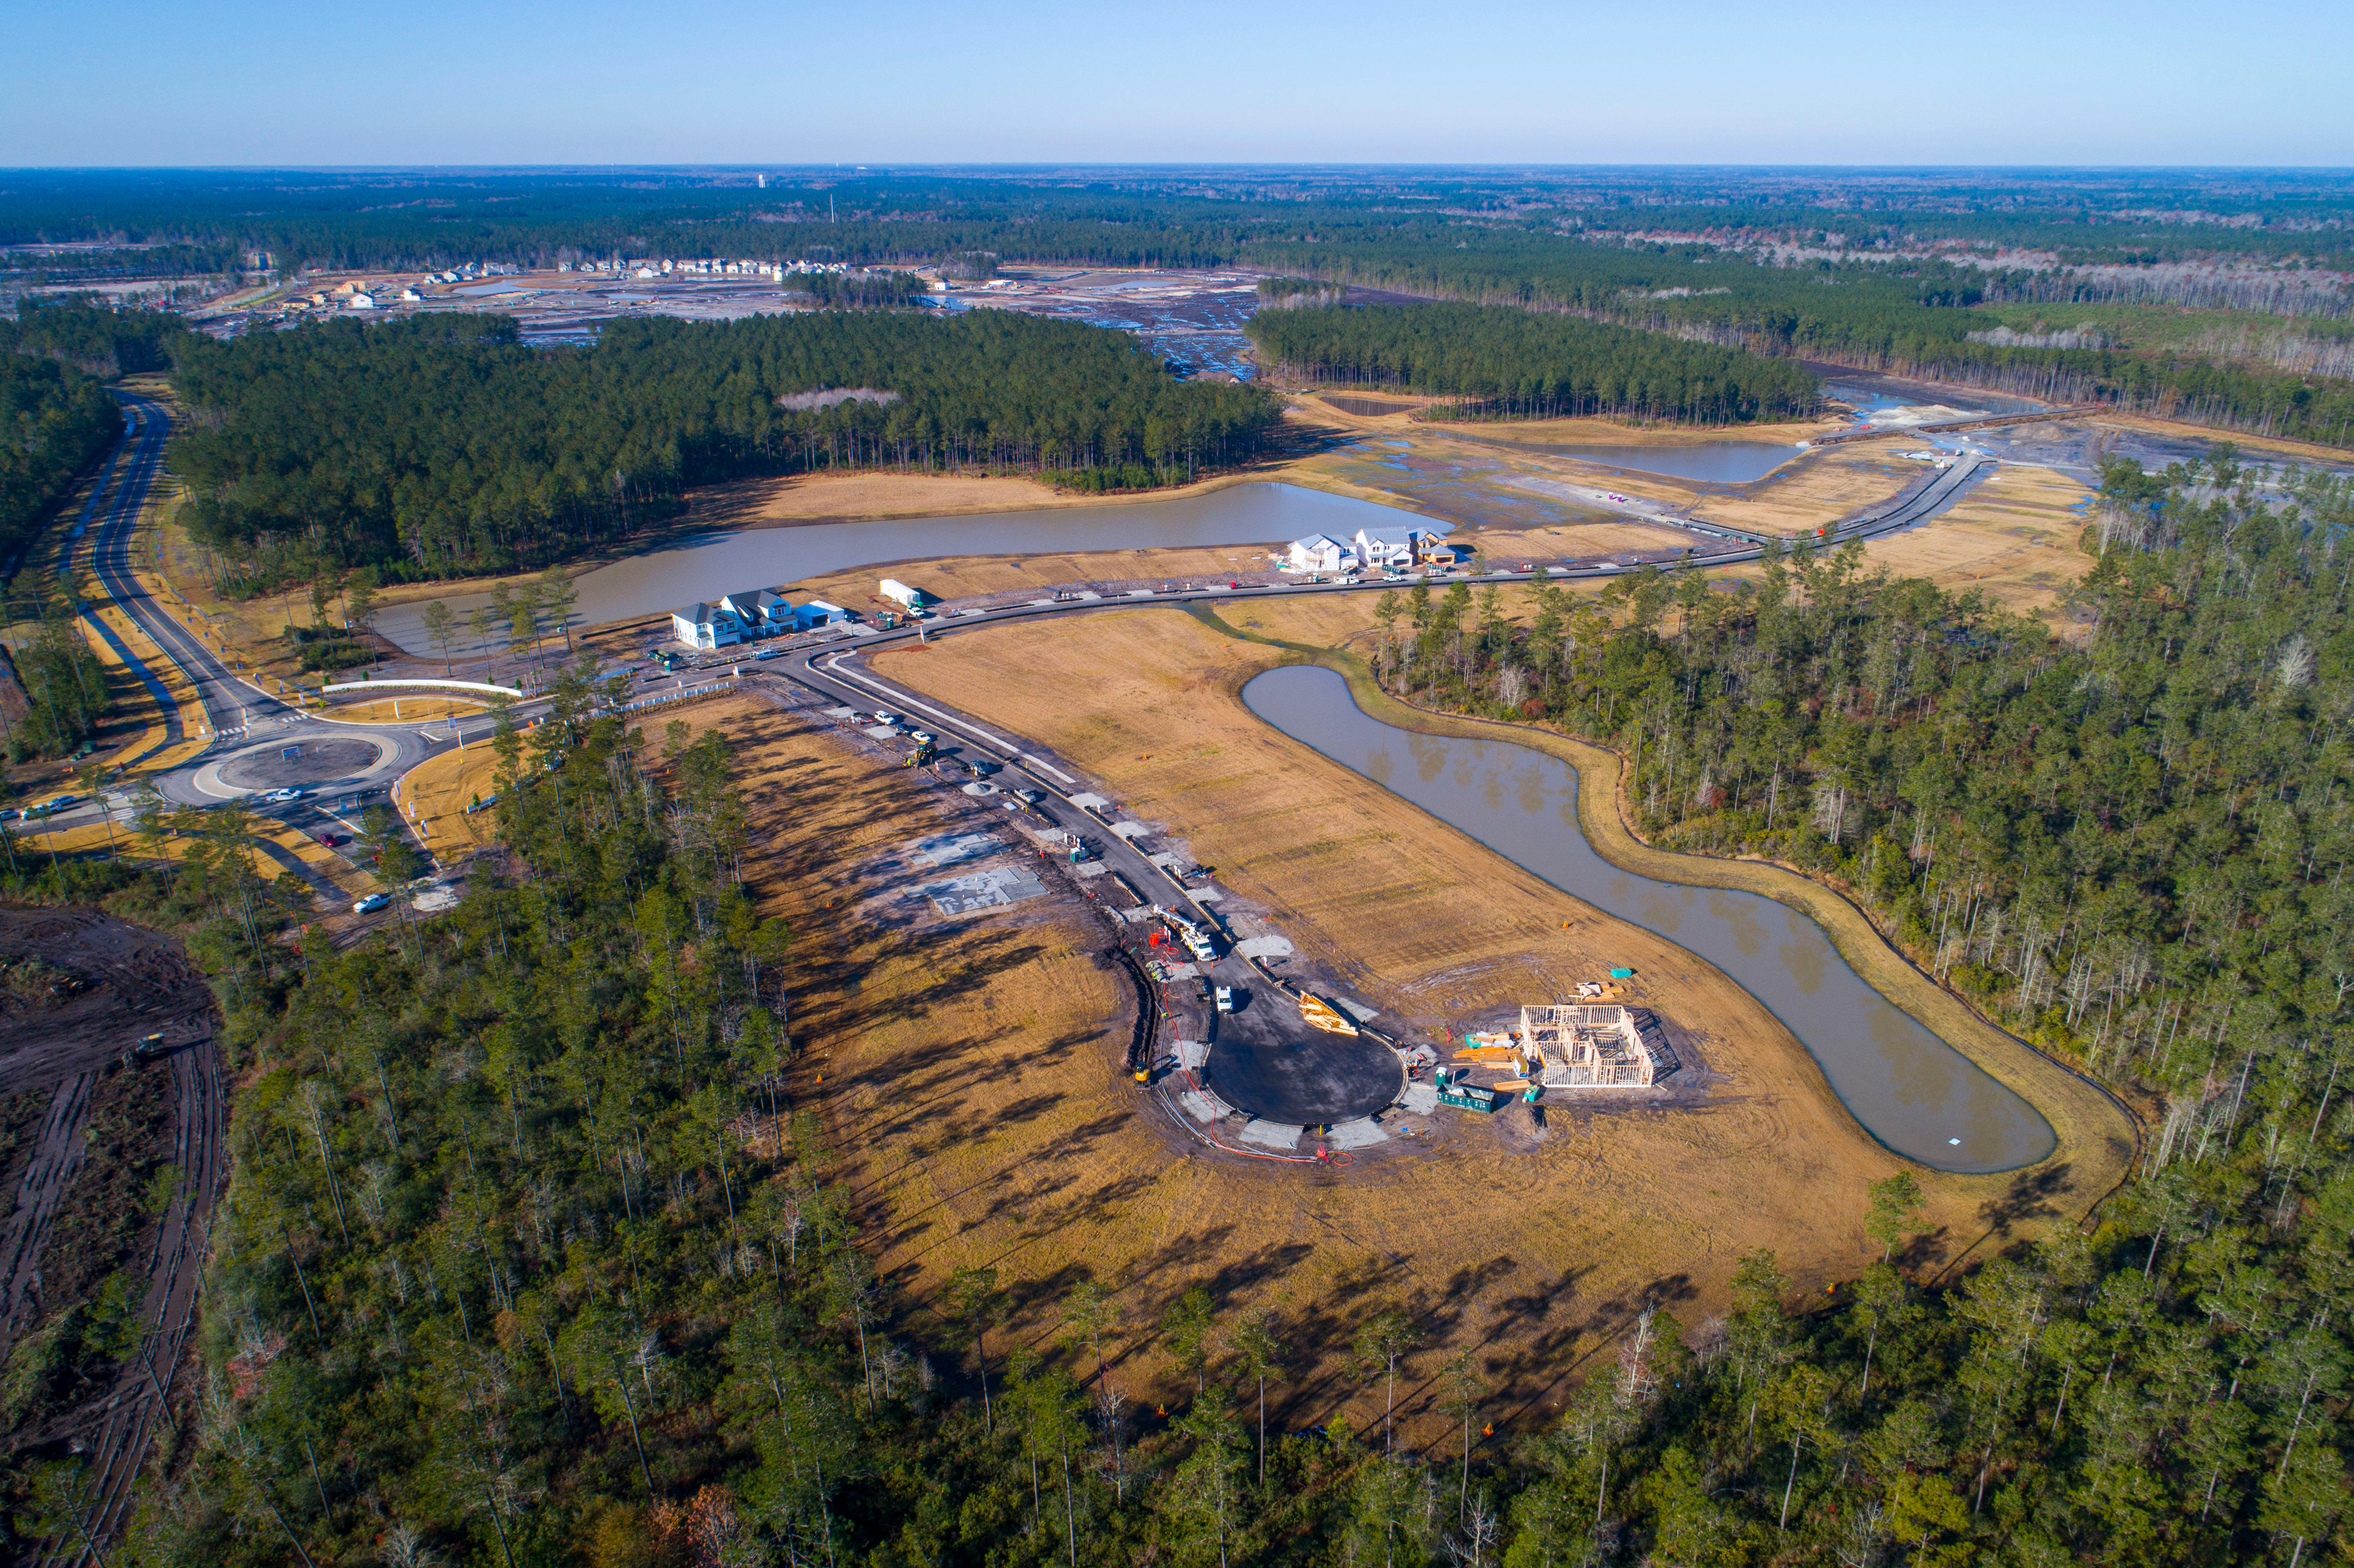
(1533, 1245)
(973, 576)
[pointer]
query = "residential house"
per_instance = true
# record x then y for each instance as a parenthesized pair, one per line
(1319, 553)
(763, 611)
(706, 625)
(1399, 547)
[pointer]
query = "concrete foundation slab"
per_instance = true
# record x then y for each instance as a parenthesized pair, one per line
(1273, 1135)
(1362, 1133)
(983, 890)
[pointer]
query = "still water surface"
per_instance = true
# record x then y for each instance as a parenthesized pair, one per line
(1914, 1092)
(706, 566)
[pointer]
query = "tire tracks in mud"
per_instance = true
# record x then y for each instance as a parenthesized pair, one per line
(140, 983)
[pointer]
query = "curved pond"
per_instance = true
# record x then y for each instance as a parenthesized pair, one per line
(1914, 1092)
(706, 566)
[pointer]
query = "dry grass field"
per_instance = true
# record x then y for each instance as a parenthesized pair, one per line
(1819, 487)
(1569, 541)
(1533, 1245)
(2013, 537)
(436, 793)
(402, 710)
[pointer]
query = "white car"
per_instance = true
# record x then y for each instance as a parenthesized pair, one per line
(281, 797)
(371, 903)
(1225, 998)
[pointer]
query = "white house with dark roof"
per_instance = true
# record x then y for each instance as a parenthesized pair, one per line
(1319, 553)
(1400, 547)
(764, 611)
(706, 625)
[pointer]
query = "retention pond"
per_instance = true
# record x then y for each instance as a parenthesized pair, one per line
(1909, 1089)
(706, 566)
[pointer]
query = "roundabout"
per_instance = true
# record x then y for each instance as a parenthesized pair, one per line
(304, 761)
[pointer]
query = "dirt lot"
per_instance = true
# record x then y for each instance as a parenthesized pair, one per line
(973, 576)
(88, 1176)
(1534, 1246)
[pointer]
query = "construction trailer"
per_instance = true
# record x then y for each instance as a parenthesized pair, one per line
(1594, 1047)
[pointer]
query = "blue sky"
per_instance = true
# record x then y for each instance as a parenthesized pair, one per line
(231, 83)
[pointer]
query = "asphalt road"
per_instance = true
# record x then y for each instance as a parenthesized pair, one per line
(251, 729)
(1262, 1059)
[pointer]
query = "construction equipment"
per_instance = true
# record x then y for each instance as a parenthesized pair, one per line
(921, 755)
(1320, 1014)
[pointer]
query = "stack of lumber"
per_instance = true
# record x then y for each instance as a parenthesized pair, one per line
(1320, 1014)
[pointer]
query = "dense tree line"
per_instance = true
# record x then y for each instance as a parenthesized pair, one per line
(539, 221)
(1914, 319)
(440, 446)
(93, 338)
(1504, 362)
(2130, 845)
(856, 290)
(1495, 240)
(54, 421)
(64, 683)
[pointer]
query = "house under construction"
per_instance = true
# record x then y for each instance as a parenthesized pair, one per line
(1594, 1047)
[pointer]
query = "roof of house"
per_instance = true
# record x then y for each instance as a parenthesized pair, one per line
(1318, 542)
(756, 600)
(1399, 536)
(821, 604)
